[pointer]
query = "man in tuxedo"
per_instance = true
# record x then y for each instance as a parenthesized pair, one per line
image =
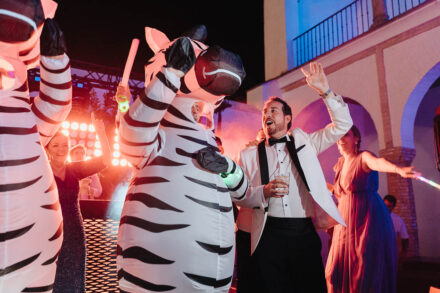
(287, 209)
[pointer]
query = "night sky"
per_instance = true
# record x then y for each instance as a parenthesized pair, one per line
(100, 32)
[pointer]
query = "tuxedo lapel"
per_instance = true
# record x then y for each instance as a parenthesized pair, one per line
(262, 160)
(294, 156)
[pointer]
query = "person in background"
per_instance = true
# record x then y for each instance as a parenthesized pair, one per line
(89, 187)
(220, 145)
(70, 274)
(260, 136)
(363, 255)
(399, 227)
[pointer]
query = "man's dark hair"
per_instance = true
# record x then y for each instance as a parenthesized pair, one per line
(356, 133)
(286, 108)
(391, 199)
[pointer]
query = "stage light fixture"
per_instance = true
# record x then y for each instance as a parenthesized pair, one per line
(123, 162)
(116, 154)
(83, 127)
(91, 128)
(65, 124)
(115, 162)
(74, 125)
(97, 153)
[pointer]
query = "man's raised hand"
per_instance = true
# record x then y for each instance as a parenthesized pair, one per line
(316, 78)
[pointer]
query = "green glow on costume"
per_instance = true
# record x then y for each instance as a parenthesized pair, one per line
(232, 179)
(123, 106)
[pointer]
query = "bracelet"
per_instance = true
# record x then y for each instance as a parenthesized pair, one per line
(324, 95)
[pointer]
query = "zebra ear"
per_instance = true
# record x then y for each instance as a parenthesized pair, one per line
(198, 33)
(156, 39)
(49, 8)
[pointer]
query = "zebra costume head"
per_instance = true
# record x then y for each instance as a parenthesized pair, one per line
(21, 23)
(216, 73)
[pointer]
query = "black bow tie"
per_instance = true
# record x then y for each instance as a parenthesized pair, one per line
(273, 141)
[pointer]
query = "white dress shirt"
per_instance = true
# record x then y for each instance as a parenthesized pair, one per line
(298, 203)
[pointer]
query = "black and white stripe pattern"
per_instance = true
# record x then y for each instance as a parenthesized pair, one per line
(30, 216)
(177, 222)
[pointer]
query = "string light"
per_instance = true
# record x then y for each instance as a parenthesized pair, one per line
(85, 134)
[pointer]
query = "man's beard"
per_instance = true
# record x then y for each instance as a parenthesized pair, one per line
(274, 128)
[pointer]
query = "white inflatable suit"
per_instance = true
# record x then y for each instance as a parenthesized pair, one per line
(30, 215)
(177, 229)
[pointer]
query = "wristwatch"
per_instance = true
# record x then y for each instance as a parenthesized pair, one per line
(324, 95)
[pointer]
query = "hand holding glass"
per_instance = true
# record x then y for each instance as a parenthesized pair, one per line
(285, 178)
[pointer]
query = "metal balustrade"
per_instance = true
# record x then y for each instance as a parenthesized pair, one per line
(348, 23)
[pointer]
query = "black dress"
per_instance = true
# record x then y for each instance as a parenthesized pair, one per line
(71, 267)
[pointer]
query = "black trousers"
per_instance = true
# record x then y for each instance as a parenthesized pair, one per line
(289, 257)
(248, 280)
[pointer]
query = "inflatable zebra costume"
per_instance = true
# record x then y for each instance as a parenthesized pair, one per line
(30, 216)
(177, 229)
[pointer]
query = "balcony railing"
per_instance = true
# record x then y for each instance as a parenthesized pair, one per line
(348, 23)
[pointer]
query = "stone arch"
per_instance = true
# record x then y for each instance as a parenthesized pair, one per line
(413, 103)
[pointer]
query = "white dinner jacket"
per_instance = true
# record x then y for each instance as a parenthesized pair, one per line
(326, 213)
